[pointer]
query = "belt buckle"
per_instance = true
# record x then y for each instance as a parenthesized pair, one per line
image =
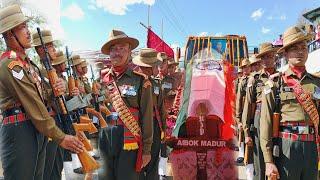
(16, 111)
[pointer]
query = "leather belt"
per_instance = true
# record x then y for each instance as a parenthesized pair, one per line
(14, 115)
(297, 137)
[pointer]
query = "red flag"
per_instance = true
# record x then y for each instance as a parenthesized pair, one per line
(155, 42)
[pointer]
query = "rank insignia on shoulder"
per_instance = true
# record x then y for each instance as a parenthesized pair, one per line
(316, 94)
(128, 90)
(18, 75)
(14, 63)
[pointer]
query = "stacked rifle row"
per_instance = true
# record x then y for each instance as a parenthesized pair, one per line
(73, 112)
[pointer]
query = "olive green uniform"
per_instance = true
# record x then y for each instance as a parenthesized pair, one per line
(297, 159)
(136, 93)
(151, 170)
(251, 119)
(23, 142)
(236, 84)
(241, 93)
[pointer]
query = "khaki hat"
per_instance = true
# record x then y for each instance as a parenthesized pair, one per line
(99, 65)
(76, 60)
(84, 64)
(266, 48)
(147, 57)
(11, 17)
(245, 62)
(60, 58)
(162, 56)
(171, 61)
(117, 36)
(46, 37)
(253, 59)
(293, 35)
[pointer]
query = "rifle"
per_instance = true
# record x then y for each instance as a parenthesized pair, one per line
(80, 128)
(248, 153)
(87, 162)
(85, 119)
(102, 121)
(276, 119)
(95, 90)
(71, 80)
(53, 77)
(105, 110)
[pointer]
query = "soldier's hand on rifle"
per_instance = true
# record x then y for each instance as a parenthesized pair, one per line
(81, 136)
(75, 91)
(60, 85)
(272, 171)
(248, 141)
(72, 143)
(146, 159)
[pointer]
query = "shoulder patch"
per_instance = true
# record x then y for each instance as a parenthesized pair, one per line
(141, 74)
(12, 64)
(18, 75)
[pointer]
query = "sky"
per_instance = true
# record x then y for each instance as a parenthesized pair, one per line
(85, 24)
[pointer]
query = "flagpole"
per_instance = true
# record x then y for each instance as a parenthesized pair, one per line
(144, 25)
